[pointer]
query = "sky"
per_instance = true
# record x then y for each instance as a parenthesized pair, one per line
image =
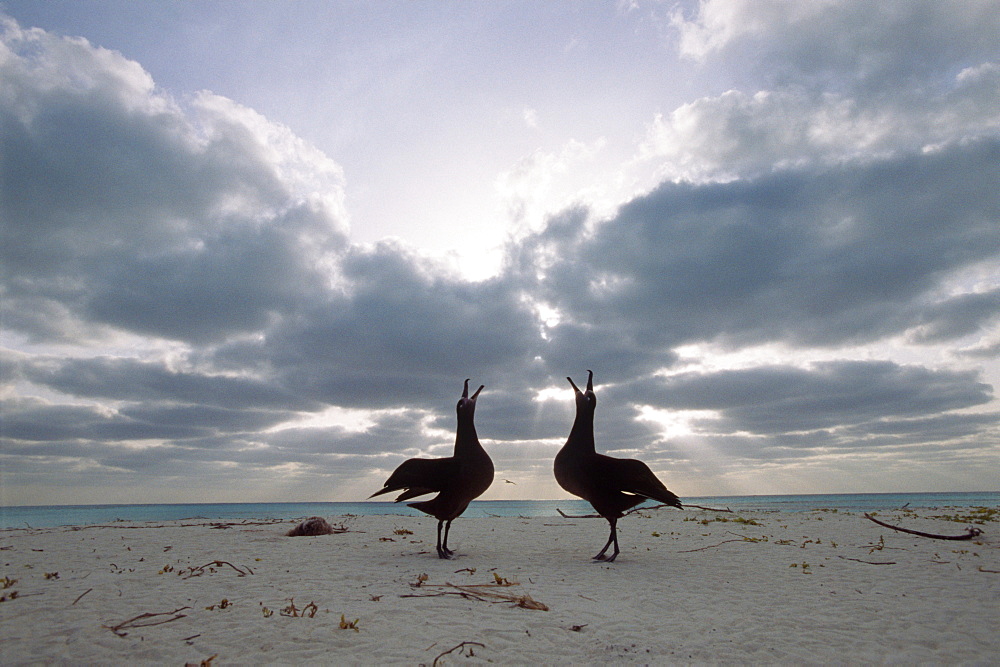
(249, 252)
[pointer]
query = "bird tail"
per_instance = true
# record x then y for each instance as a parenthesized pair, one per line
(635, 477)
(667, 498)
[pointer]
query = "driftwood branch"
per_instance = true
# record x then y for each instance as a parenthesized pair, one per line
(709, 509)
(639, 509)
(577, 516)
(968, 535)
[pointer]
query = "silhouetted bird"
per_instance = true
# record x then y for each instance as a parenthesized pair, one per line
(611, 485)
(457, 479)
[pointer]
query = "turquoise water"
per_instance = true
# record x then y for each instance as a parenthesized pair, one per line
(81, 515)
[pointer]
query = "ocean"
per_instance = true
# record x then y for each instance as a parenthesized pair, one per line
(81, 515)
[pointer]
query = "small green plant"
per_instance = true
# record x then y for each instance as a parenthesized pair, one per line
(978, 515)
(722, 519)
(746, 522)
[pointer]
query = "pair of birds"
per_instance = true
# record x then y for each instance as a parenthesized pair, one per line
(611, 485)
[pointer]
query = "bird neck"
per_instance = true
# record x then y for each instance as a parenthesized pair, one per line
(581, 436)
(466, 438)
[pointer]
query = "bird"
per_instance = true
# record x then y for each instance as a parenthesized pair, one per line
(456, 479)
(610, 484)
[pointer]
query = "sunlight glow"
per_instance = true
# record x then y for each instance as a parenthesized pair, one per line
(675, 423)
(349, 419)
(551, 394)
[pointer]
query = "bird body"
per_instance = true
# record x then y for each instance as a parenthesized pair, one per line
(610, 484)
(457, 479)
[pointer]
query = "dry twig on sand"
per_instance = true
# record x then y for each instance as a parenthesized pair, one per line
(308, 611)
(455, 648)
(134, 621)
(968, 535)
(479, 592)
(868, 562)
(200, 570)
(711, 546)
(81, 596)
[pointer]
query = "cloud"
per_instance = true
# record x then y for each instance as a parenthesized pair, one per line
(901, 44)
(124, 210)
(126, 379)
(805, 256)
(184, 306)
(782, 399)
(832, 82)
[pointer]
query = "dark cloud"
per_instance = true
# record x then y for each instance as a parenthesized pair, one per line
(403, 332)
(393, 433)
(37, 421)
(128, 379)
(811, 257)
(958, 316)
(784, 399)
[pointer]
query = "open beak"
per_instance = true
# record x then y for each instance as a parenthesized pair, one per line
(465, 392)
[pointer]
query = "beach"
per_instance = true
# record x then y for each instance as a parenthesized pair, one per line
(690, 586)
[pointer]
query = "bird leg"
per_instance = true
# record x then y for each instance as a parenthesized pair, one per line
(442, 547)
(612, 539)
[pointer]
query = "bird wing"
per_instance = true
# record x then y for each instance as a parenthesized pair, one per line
(634, 476)
(418, 477)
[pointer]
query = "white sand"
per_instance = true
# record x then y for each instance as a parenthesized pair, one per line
(681, 591)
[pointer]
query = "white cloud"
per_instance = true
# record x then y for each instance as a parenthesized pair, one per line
(548, 181)
(530, 117)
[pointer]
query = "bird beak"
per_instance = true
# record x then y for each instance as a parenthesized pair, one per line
(477, 392)
(465, 394)
(590, 381)
(575, 388)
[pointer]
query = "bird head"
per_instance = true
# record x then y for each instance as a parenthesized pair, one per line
(467, 404)
(587, 399)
